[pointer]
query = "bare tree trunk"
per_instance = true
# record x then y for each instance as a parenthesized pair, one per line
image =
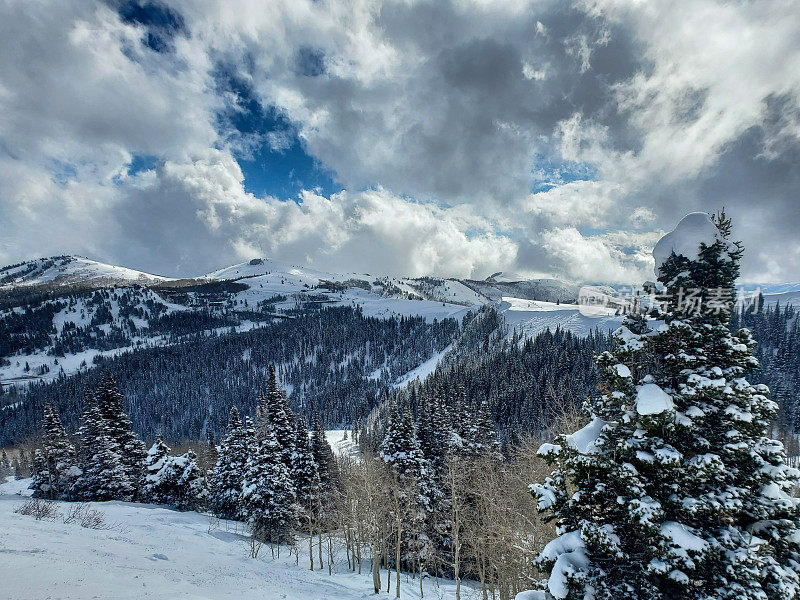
(358, 551)
(330, 553)
(376, 568)
(311, 541)
(398, 549)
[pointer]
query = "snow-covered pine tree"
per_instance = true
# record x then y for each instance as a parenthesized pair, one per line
(400, 448)
(412, 490)
(54, 463)
(281, 417)
(225, 479)
(267, 492)
(173, 480)
(674, 489)
(191, 492)
(5, 467)
(480, 435)
(16, 468)
(103, 475)
(118, 428)
(305, 473)
(433, 431)
(323, 456)
(155, 485)
(305, 477)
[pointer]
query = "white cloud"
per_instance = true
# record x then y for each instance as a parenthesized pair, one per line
(371, 231)
(437, 117)
(597, 258)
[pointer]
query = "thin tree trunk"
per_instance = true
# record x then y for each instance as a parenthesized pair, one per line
(311, 544)
(330, 554)
(376, 568)
(397, 552)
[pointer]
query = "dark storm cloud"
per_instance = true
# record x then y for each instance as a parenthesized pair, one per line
(472, 115)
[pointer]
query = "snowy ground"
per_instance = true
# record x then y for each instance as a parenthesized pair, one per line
(531, 317)
(153, 552)
(339, 444)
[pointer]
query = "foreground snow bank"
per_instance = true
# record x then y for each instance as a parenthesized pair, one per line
(152, 552)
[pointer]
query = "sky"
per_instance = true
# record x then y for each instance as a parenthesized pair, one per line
(452, 138)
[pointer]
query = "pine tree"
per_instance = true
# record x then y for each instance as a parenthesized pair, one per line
(173, 480)
(191, 492)
(103, 475)
(155, 487)
(480, 435)
(24, 464)
(680, 492)
(323, 456)
(276, 407)
(225, 480)
(16, 469)
(54, 463)
(433, 431)
(305, 473)
(5, 467)
(268, 493)
(118, 428)
(413, 488)
(400, 448)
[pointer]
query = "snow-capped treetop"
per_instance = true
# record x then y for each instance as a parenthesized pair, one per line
(694, 229)
(584, 439)
(652, 400)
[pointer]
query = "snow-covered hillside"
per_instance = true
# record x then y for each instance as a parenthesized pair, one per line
(117, 316)
(71, 270)
(69, 329)
(151, 552)
(530, 317)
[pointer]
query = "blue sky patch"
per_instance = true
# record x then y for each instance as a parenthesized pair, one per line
(161, 23)
(550, 172)
(266, 144)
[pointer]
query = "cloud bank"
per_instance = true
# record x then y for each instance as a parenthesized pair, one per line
(467, 137)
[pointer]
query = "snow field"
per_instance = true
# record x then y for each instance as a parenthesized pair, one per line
(151, 552)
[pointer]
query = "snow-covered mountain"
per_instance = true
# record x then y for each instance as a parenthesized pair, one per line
(83, 308)
(71, 270)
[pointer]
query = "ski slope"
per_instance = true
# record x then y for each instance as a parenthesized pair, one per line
(150, 552)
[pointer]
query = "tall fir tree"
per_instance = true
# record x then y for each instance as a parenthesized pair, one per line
(173, 480)
(55, 467)
(280, 417)
(267, 492)
(225, 479)
(130, 448)
(674, 489)
(5, 466)
(480, 434)
(400, 448)
(434, 433)
(305, 473)
(413, 485)
(323, 456)
(154, 487)
(103, 474)
(191, 492)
